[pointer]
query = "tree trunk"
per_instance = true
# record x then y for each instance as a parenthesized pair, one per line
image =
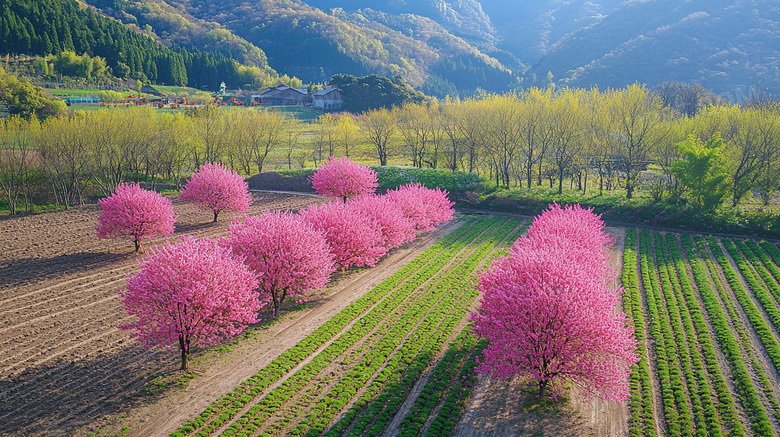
(184, 346)
(215, 217)
(137, 242)
(560, 182)
(542, 389)
(277, 301)
(585, 183)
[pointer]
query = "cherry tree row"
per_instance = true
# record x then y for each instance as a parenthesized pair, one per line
(273, 256)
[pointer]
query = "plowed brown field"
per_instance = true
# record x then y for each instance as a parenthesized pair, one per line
(62, 358)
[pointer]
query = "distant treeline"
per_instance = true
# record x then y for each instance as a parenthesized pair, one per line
(616, 139)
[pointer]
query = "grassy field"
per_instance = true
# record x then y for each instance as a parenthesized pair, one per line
(706, 312)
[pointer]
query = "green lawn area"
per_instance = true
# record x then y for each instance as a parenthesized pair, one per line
(299, 112)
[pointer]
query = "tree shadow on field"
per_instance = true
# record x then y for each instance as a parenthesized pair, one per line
(21, 271)
(66, 395)
(199, 227)
(502, 408)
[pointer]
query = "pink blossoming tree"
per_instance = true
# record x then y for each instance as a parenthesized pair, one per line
(355, 239)
(287, 253)
(548, 312)
(426, 208)
(136, 213)
(550, 319)
(396, 228)
(217, 188)
(344, 179)
(190, 293)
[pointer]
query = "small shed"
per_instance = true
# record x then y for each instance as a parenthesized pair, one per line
(81, 100)
(283, 95)
(329, 99)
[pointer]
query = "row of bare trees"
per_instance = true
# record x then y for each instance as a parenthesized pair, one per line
(63, 159)
(580, 136)
(572, 134)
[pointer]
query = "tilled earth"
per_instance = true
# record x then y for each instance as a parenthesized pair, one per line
(63, 360)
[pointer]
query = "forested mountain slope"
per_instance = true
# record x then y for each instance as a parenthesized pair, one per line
(169, 22)
(726, 46)
(312, 44)
(442, 47)
(442, 50)
(464, 18)
(43, 27)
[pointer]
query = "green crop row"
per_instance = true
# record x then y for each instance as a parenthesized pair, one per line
(675, 310)
(769, 283)
(438, 381)
(730, 347)
(667, 365)
(773, 253)
(256, 415)
(769, 264)
(403, 371)
(754, 314)
(458, 392)
(674, 277)
(714, 309)
(449, 414)
(255, 385)
(399, 387)
(641, 422)
(764, 250)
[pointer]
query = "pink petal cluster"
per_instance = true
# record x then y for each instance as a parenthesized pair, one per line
(355, 239)
(190, 293)
(426, 208)
(217, 188)
(550, 317)
(344, 179)
(287, 253)
(579, 230)
(396, 228)
(137, 213)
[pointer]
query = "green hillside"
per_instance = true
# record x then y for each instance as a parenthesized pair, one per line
(169, 22)
(45, 27)
(314, 44)
(447, 51)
